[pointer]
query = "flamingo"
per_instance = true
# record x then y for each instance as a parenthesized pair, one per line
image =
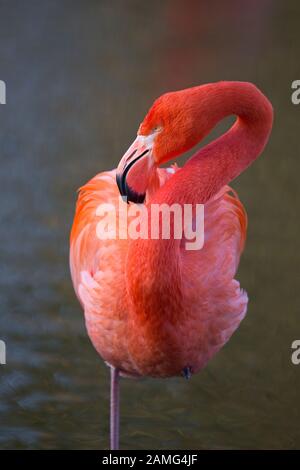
(153, 308)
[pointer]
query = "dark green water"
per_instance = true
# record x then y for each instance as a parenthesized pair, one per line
(80, 77)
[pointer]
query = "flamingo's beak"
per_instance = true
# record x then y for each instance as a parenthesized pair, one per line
(135, 169)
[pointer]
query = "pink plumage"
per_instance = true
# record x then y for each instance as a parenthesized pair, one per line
(153, 308)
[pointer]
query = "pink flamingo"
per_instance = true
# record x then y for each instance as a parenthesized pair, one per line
(153, 308)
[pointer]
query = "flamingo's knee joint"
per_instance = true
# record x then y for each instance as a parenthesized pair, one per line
(187, 372)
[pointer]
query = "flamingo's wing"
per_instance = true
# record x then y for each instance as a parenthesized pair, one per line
(97, 268)
(215, 296)
(86, 248)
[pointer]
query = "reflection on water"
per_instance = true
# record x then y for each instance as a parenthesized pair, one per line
(79, 80)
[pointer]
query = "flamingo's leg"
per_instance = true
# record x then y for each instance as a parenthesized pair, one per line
(114, 408)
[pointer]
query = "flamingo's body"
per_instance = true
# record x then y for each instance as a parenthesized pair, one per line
(151, 307)
(195, 326)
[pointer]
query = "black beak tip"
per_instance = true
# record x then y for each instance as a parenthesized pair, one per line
(133, 196)
(125, 190)
(128, 193)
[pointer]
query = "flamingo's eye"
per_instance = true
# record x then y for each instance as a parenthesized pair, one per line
(156, 129)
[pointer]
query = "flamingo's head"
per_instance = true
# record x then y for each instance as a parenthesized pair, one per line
(167, 131)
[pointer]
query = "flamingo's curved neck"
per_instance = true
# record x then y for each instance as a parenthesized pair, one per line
(159, 261)
(225, 158)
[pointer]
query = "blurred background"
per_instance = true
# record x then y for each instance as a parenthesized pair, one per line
(80, 76)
